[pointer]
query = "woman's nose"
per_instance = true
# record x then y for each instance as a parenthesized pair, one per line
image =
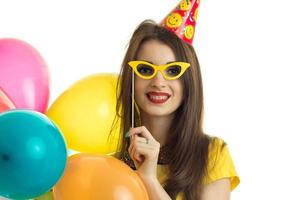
(158, 80)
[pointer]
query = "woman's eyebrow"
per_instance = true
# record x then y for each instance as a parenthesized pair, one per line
(171, 62)
(153, 64)
(147, 61)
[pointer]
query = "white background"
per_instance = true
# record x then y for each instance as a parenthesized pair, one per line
(249, 56)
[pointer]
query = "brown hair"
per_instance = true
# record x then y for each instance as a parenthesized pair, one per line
(188, 158)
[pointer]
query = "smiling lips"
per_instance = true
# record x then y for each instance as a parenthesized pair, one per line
(158, 97)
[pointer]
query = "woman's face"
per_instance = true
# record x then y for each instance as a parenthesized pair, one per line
(157, 96)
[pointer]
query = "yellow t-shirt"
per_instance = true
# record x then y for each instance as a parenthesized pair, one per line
(220, 165)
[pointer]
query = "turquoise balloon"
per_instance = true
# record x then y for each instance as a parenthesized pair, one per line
(33, 154)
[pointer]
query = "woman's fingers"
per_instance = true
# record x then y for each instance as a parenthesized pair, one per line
(138, 148)
(137, 140)
(139, 144)
(141, 139)
(142, 145)
(142, 131)
(132, 151)
(146, 150)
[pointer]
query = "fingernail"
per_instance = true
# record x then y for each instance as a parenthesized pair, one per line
(127, 134)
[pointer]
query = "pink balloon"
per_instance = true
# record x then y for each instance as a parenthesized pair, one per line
(24, 75)
(5, 102)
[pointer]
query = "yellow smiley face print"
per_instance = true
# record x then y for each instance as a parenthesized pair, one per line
(189, 32)
(195, 15)
(185, 5)
(174, 20)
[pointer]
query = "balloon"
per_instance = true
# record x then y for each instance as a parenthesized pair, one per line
(23, 75)
(5, 102)
(3, 198)
(46, 196)
(33, 154)
(85, 113)
(91, 176)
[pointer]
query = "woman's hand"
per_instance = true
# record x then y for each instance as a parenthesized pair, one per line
(144, 150)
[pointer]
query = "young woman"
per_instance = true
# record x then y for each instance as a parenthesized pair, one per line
(166, 145)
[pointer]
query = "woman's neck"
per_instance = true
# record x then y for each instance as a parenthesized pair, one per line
(158, 126)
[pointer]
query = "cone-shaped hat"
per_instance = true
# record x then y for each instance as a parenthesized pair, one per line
(182, 20)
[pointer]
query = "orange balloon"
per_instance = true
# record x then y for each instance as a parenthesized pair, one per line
(95, 177)
(5, 102)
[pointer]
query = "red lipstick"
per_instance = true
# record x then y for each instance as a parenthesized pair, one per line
(158, 97)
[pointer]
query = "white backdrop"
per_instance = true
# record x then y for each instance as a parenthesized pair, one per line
(248, 51)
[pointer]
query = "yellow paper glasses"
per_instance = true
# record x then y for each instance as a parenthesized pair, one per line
(170, 71)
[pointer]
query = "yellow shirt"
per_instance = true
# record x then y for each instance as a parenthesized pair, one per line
(220, 165)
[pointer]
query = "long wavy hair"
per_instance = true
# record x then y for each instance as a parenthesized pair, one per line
(188, 145)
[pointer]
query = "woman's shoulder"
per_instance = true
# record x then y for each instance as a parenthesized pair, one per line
(220, 163)
(215, 148)
(216, 142)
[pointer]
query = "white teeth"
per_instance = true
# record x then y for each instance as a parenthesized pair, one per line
(158, 97)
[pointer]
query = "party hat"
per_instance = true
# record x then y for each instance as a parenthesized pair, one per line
(182, 20)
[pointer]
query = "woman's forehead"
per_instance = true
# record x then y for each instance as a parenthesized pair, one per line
(156, 52)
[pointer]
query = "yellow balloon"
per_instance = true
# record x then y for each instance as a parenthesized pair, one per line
(85, 113)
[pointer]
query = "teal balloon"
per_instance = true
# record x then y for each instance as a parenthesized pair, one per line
(33, 154)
